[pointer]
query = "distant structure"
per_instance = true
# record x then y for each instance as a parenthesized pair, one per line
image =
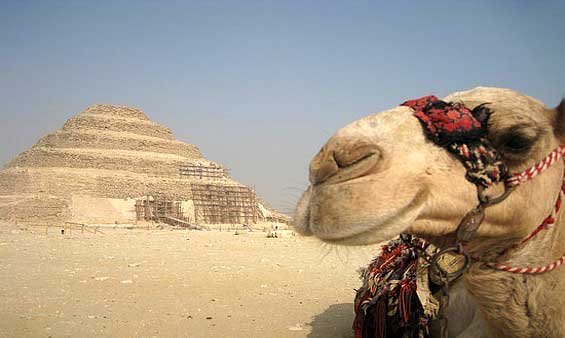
(112, 164)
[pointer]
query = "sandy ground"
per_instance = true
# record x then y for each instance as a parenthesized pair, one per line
(143, 283)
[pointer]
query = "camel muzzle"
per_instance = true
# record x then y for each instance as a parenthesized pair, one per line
(343, 159)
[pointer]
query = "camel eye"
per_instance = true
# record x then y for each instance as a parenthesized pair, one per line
(516, 143)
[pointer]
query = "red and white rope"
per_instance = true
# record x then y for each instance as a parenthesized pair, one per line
(547, 223)
(528, 270)
(539, 167)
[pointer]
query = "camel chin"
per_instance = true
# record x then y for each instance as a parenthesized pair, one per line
(350, 213)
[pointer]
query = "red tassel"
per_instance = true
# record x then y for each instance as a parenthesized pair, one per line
(380, 320)
(358, 329)
(359, 315)
(405, 300)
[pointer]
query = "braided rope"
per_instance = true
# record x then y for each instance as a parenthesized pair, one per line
(547, 223)
(447, 124)
(484, 166)
(539, 167)
(528, 270)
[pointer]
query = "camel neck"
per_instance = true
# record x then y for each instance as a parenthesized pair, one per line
(490, 288)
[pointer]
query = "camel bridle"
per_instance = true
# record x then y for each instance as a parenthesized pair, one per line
(397, 297)
(463, 133)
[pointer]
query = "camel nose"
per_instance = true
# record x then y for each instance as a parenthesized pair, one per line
(343, 159)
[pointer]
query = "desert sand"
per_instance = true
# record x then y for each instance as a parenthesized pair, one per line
(174, 283)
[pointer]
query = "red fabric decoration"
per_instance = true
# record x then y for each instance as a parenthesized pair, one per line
(445, 122)
(463, 133)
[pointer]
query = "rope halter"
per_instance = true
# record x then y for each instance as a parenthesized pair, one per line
(463, 133)
(548, 223)
(396, 298)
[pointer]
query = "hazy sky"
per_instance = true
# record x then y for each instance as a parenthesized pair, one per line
(260, 85)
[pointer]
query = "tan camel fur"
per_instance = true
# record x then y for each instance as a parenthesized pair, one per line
(379, 177)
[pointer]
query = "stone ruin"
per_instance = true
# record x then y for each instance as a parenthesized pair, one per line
(113, 165)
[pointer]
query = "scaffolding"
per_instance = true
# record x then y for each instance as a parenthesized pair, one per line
(157, 210)
(278, 219)
(201, 171)
(216, 204)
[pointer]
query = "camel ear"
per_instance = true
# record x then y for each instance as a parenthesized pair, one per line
(559, 125)
(482, 113)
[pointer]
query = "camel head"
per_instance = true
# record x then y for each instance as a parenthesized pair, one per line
(380, 176)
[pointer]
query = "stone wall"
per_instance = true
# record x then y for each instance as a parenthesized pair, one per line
(39, 157)
(115, 140)
(65, 182)
(94, 122)
(96, 210)
(13, 182)
(39, 208)
(116, 111)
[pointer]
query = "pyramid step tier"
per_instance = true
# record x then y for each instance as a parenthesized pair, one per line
(153, 164)
(101, 139)
(65, 182)
(100, 122)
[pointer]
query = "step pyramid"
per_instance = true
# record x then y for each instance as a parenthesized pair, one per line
(107, 161)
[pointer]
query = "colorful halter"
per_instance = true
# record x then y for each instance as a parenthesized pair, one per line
(548, 222)
(463, 132)
(387, 304)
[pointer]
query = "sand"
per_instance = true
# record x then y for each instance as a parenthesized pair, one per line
(150, 283)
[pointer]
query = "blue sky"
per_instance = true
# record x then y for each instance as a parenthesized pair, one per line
(260, 85)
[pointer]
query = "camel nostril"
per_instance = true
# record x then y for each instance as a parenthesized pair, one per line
(323, 166)
(340, 161)
(348, 156)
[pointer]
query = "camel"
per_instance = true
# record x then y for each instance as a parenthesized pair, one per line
(380, 176)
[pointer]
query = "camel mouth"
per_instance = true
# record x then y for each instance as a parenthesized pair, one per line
(367, 237)
(381, 232)
(356, 231)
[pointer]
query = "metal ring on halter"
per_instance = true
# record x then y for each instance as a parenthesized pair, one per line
(446, 276)
(488, 201)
